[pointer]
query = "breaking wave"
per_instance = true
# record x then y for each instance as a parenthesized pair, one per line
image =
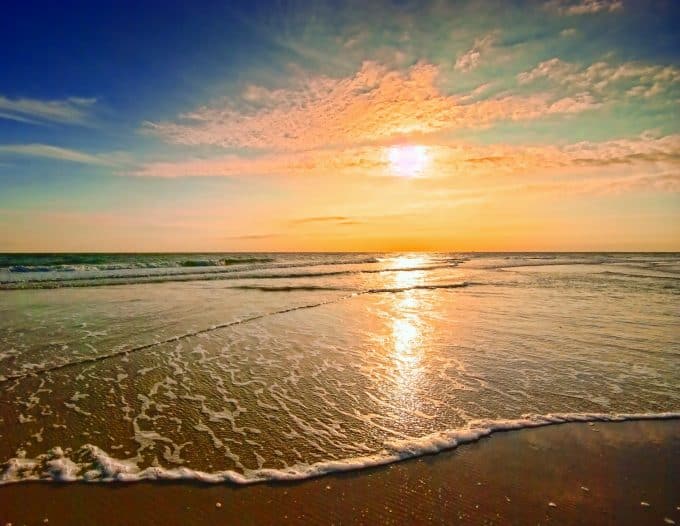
(91, 464)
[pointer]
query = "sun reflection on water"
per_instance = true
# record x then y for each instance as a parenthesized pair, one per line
(407, 349)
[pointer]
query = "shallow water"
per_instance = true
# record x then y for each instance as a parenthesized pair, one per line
(244, 367)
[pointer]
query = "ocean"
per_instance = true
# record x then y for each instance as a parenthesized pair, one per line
(250, 367)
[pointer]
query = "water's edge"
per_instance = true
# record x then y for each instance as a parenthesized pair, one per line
(91, 464)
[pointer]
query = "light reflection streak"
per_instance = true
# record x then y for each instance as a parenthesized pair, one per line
(407, 334)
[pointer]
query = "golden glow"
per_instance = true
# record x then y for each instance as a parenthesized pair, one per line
(406, 322)
(407, 333)
(407, 279)
(408, 161)
(406, 336)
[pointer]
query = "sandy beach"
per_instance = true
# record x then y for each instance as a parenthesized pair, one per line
(337, 262)
(613, 473)
(233, 381)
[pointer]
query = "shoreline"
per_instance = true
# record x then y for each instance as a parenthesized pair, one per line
(505, 478)
(114, 470)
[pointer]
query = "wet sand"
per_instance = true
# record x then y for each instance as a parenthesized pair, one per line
(592, 474)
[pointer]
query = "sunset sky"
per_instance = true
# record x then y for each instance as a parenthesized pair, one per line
(403, 125)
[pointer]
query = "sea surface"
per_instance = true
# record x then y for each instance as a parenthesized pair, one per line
(247, 367)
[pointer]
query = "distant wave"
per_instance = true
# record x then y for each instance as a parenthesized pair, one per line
(23, 268)
(55, 259)
(546, 263)
(222, 262)
(103, 265)
(70, 262)
(217, 274)
(642, 276)
(91, 464)
(291, 288)
(560, 260)
(425, 287)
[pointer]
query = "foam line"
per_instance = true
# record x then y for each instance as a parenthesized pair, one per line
(147, 346)
(101, 357)
(92, 464)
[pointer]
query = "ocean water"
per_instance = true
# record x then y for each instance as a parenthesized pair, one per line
(247, 367)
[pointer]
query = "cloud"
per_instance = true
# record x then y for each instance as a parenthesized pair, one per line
(603, 80)
(362, 219)
(584, 7)
(54, 152)
(447, 159)
(326, 220)
(321, 219)
(600, 74)
(579, 167)
(612, 185)
(18, 118)
(646, 148)
(254, 236)
(351, 160)
(560, 188)
(471, 58)
(376, 104)
(73, 110)
(555, 69)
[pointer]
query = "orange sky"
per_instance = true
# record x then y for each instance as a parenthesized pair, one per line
(364, 133)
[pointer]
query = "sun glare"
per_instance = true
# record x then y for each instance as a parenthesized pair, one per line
(408, 161)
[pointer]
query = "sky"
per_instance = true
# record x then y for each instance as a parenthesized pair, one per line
(551, 125)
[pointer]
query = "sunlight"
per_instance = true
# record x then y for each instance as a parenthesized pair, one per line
(406, 338)
(407, 332)
(407, 354)
(408, 161)
(407, 262)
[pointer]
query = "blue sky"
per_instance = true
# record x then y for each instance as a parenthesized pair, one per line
(541, 125)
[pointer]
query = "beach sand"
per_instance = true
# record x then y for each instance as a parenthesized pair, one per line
(592, 474)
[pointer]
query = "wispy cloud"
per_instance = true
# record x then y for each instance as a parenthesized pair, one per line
(600, 74)
(560, 188)
(334, 220)
(18, 118)
(364, 159)
(584, 7)
(54, 152)
(655, 153)
(472, 57)
(605, 81)
(247, 237)
(646, 148)
(648, 153)
(321, 219)
(73, 110)
(375, 104)
(610, 185)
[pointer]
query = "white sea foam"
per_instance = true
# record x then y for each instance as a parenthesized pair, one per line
(92, 464)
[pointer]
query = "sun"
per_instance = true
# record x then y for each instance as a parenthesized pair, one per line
(408, 161)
